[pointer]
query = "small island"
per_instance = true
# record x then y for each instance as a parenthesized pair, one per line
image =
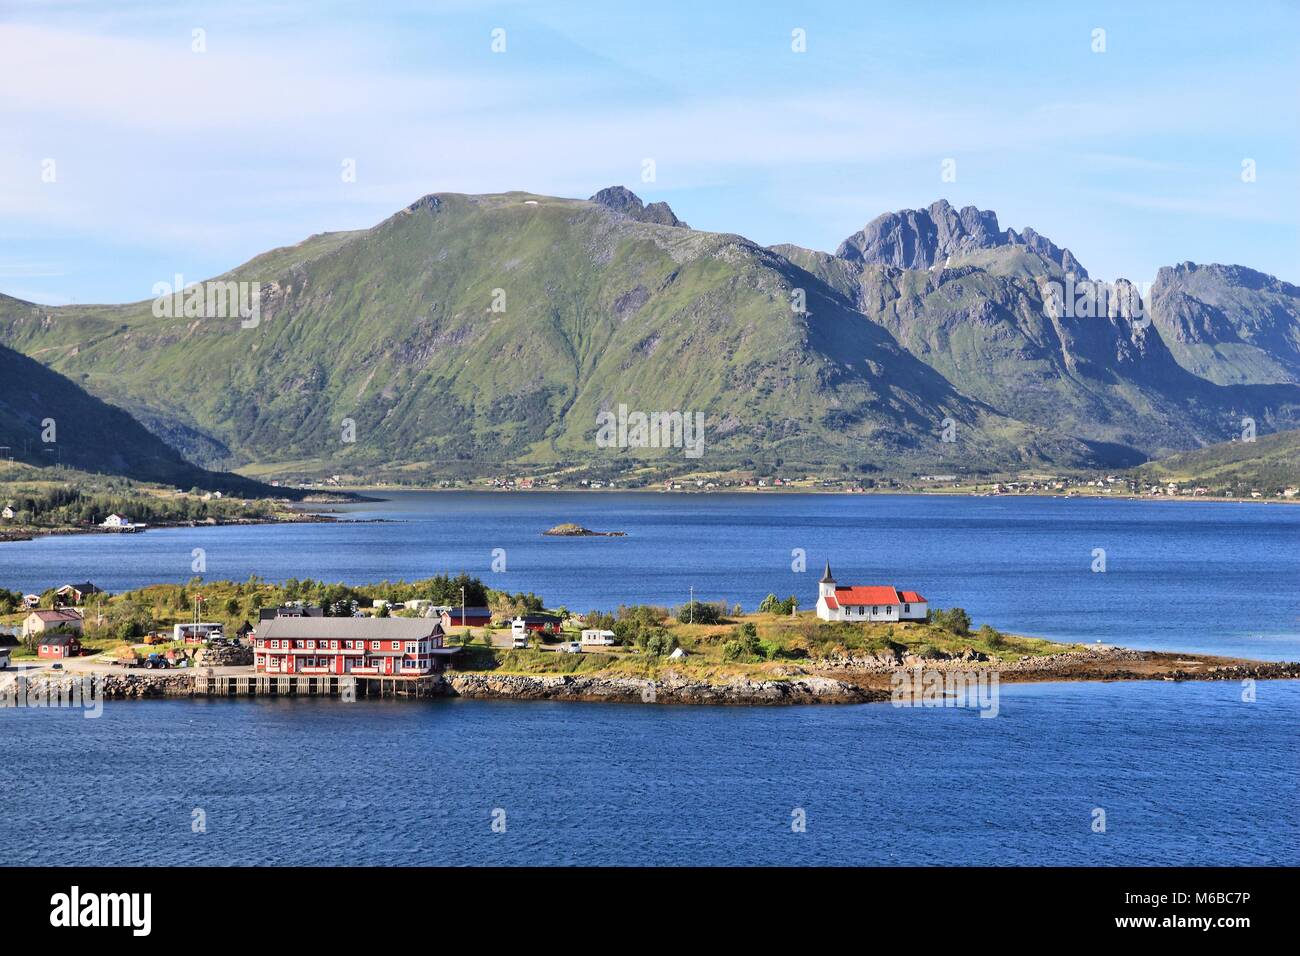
(570, 530)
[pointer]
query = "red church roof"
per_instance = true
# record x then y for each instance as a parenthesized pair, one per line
(874, 594)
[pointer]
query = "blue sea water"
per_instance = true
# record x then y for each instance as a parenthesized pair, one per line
(1181, 575)
(1185, 774)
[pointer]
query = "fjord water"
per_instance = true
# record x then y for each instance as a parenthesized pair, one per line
(1185, 774)
(1179, 575)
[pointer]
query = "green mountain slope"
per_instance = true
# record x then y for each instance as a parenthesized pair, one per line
(1269, 464)
(1229, 324)
(87, 433)
(473, 331)
(980, 309)
(471, 334)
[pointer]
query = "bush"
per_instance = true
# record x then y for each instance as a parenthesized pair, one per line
(991, 636)
(700, 613)
(772, 605)
(954, 620)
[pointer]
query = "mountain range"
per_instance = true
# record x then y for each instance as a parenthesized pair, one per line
(466, 335)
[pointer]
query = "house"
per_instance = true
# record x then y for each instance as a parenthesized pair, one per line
(115, 521)
(41, 620)
(31, 600)
(540, 623)
(76, 594)
(365, 646)
(197, 632)
(7, 513)
(289, 610)
(599, 638)
(58, 645)
(464, 617)
(867, 602)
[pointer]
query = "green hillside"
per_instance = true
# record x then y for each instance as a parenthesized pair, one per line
(1269, 465)
(88, 434)
(394, 329)
(470, 335)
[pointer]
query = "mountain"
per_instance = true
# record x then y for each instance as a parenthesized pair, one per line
(1229, 324)
(87, 433)
(925, 238)
(471, 332)
(466, 335)
(984, 308)
(623, 200)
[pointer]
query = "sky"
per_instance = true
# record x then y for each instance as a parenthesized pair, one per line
(141, 140)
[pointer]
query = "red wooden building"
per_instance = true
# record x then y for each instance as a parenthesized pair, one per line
(365, 646)
(56, 645)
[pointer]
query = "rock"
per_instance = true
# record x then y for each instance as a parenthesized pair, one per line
(925, 238)
(571, 530)
(622, 200)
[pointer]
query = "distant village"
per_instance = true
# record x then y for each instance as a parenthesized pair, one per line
(1119, 485)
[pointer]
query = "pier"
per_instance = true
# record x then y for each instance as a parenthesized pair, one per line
(307, 685)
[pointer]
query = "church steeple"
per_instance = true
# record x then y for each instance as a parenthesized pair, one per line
(826, 586)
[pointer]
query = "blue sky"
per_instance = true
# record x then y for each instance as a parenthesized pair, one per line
(167, 160)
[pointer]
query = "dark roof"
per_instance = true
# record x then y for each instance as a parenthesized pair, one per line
(826, 578)
(85, 587)
(353, 628)
(541, 618)
(59, 637)
(289, 610)
(470, 611)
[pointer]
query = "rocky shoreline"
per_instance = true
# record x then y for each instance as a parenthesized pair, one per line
(855, 680)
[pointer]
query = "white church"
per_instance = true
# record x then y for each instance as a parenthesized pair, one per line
(867, 602)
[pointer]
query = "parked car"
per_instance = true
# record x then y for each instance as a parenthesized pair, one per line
(521, 640)
(570, 647)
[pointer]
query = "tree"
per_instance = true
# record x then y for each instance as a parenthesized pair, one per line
(699, 613)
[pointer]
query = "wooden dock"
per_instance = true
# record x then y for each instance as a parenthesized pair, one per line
(345, 687)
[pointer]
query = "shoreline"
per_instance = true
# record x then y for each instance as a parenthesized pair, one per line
(883, 492)
(844, 681)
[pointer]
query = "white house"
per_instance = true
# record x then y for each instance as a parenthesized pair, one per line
(867, 602)
(7, 513)
(115, 521)
(598, 637)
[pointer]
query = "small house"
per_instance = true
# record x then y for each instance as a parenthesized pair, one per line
(115, 521)
(58, 645)
(7, 513)
(77, 594)
(465, 617)
(31, 600)
(41, 620)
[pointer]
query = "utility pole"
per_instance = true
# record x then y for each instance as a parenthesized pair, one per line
(462, 618)
(692, 604)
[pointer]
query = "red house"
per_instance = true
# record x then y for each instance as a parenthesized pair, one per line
(365, 646)
(537, 623)
(58, 645)
(471, 617)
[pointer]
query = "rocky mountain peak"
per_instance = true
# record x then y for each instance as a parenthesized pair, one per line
(622, 200)
(924, 238)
